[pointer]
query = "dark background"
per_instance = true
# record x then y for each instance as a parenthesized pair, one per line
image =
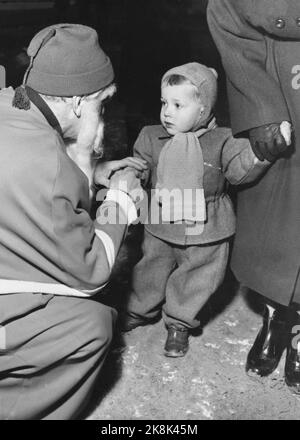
(144, 38)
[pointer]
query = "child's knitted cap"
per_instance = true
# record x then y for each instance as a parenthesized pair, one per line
(203, 77)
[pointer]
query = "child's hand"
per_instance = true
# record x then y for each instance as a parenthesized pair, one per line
(268, 142)
(104, 170)
(286, 131)
(138, 173)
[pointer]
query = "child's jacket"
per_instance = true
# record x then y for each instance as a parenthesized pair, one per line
(226, 159)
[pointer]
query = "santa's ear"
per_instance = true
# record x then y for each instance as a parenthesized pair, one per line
(76, 105)
(108, 92)
(104, 94)
(214, 72)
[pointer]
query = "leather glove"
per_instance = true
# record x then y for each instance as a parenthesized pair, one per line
(267, 142)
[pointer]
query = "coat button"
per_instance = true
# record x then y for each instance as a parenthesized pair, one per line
(298, 21)
(280, 23)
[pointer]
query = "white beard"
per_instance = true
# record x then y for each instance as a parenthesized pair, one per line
(87, 149)
(84, 160)
(86, 154)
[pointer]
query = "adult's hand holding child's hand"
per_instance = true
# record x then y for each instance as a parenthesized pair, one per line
(105, 170)
(271, 140)
(286, 131)
(127, 180)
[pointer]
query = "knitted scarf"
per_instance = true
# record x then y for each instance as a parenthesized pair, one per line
(180, 171)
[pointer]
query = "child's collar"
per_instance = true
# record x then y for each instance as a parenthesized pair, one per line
(210, 125)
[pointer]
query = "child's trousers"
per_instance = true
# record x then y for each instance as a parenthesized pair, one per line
(177, 279)
(51, 351)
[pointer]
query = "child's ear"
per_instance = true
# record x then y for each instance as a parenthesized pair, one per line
(214, 72)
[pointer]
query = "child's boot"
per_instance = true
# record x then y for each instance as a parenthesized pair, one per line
(177, 342)
(129, 321)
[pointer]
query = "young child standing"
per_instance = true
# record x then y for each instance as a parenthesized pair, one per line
(185, 258)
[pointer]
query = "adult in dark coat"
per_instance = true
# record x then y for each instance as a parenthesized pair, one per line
(259, 42)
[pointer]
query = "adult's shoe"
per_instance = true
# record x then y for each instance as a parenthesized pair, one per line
(265, 354)
(292, 363)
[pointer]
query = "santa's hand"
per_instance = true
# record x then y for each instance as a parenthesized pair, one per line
(126, 180)
(104, 170)
(268, 141)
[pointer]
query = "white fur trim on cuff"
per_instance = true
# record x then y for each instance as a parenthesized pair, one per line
(108, 246)
(125, 202)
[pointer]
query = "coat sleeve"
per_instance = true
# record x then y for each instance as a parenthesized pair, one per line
(86, 249)
(142, 149)
(239, 164)
(255, 96)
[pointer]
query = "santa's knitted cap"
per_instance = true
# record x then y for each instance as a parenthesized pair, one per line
(67, 60)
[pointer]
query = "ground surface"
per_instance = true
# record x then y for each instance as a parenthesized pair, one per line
(208, 383)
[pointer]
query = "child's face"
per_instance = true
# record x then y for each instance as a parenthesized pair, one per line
(181, 109)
